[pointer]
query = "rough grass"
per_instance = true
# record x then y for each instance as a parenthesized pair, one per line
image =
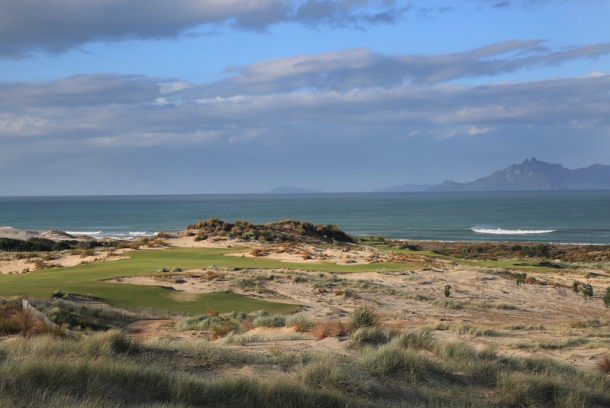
(412, 369)
(364, 316)
(332, 373)
(269, 321)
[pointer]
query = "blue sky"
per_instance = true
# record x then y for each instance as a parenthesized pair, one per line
(235, 96)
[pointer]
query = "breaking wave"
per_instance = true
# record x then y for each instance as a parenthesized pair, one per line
(499, 231)
(139, 233)
(84, 232)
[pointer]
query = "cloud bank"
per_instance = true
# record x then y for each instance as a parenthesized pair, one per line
(56, 26)
(271, 101)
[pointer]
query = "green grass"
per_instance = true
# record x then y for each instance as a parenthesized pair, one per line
(85, 280)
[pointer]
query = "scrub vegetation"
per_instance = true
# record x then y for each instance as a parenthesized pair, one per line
(372, 367)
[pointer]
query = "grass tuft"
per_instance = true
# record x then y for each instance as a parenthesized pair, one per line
(364, 316)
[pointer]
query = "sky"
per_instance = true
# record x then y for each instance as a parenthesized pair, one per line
(242, 96)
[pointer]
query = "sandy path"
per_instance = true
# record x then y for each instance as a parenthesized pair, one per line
(145, 330)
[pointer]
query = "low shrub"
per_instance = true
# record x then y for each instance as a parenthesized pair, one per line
(300, 323)
(364, 316)
(603, 364)
(322, 330)
(409, 365)
(344, 329)
(368, 335)
(325, 373)
(275, 320)
(416, 339)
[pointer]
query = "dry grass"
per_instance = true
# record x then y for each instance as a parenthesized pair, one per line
(245, 325)
(27, 322)
(344, 329)
(603, 364)
(323, 329)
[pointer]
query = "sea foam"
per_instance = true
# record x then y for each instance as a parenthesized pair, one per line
(499, 231)
(139, 233)
(84, 232)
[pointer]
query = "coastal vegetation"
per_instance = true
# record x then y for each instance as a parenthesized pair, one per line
(202, 318)
(373, 366)
(280, 231)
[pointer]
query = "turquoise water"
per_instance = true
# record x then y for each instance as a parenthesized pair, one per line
(568, 217)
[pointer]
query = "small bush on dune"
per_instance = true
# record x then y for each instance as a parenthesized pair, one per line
(322, 330)
(416, 339)
(364, 316)
(232, 339)
(275, 320)
(199, 323)
(300, 323)
(388, 361)
(603, 364)
(246, 325)
(108, 343)
(344, 329)
(368, 335)
(527, 390)
(221, 330)
(86, 253)
(9, 325)
(27, 322)
(325, 373)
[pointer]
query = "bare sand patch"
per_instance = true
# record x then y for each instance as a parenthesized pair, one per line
(10, 265)
(184, 296)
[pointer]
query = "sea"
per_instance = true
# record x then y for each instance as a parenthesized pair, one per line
(581, 217)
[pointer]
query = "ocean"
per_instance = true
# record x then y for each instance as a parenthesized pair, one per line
(560, 217)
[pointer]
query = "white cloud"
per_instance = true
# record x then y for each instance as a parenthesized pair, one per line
(475, 130)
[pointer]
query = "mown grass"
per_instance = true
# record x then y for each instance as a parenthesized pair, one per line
(86, 280)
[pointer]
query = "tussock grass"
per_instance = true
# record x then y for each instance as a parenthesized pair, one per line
(300, 323)
(233, 339)
(328, 372)
(367, 335)
(603, 364)
(364, 316)
(108, 370)
(416, 339)
(467, 304)
(390, 361)
(552, 344)
(275, 320)
(323, 329)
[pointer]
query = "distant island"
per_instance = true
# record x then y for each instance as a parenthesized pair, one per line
(531, 175)
(291, 190)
